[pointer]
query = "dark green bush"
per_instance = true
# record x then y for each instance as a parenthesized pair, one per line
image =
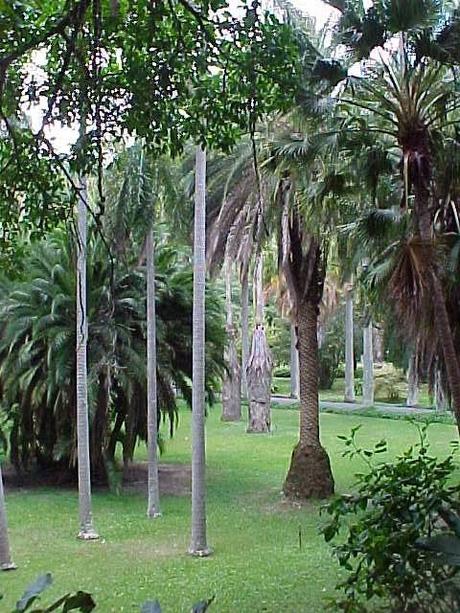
(378, 531)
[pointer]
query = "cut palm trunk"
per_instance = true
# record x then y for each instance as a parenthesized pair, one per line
(294, 364)
(349, 347)
(6, 563)
(153, 504)
(368, 365)
(259, 367)
(198, 545)
(87, 531)
(231, 384)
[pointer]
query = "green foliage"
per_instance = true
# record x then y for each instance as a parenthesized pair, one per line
(396, 505)
(80, 601)
(37, 350)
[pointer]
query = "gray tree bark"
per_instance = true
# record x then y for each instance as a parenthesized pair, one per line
(153, 504)
(412, 382)
(244, 330)
(87, 531)
(294, 364)
(198, 545)
(349, 347)
(368, 365)
(6, 563)
(231, 384)
(259, 368)
(441, 401)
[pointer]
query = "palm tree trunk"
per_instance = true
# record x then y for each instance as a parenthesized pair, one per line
(87, 531)
(310, 472)
(349, 348)
(244, 329)
(442, 323)
(153, 504)
(259, 367)
(231, 385)
(412, 382)
(198, 545)
(368, 365)
(294, 364)
(6, 562)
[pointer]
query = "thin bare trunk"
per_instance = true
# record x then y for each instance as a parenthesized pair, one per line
(441, 401)
(153, 504)
(368, 365)
(349, 348)
(294, 364)
(412, 382)
(87, 531)
(231, 385)
(198, 545)
(6, 563)
(244, 330)
(259, 367)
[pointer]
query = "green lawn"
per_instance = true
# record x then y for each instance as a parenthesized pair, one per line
(257, 565)
(282, 387)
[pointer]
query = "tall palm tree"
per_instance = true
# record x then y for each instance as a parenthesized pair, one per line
(412, 99)
(231, 384)
(6, 563)
(153, 503)
(198, 545)
(349, 346)
(87, 531)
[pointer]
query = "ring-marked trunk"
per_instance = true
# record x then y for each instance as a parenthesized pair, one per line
(412, 381)
(303, 266)
(294, 364)
(87, 531)
(153, 504)
(198, 544)
(349, 347)
(231, 384)
(6, 563)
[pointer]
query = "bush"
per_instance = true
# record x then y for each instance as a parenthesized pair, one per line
(397, 505)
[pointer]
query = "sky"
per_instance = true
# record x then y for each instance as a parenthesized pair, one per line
(316, 8)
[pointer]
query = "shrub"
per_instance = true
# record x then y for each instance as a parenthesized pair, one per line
(396, 505)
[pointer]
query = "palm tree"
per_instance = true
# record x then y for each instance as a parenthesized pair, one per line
(412, 99)
(153, 504)
(259, 366)
(198, 545)
(87, 531)
(231, 384)
(6, 562)
(349, 348)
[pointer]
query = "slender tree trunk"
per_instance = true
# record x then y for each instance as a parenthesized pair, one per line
(198, 545)
(349, 348)
(231, 385)
(6, 563)
(412, 382)
(153, 504)
(294, 364)
(442, 323)
(441, 401)
(368, 365)
(259, 368)
(244, 330)
(87, 531)
(310, 472)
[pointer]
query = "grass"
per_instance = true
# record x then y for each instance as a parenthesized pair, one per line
(257, 565)
(282, 387)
